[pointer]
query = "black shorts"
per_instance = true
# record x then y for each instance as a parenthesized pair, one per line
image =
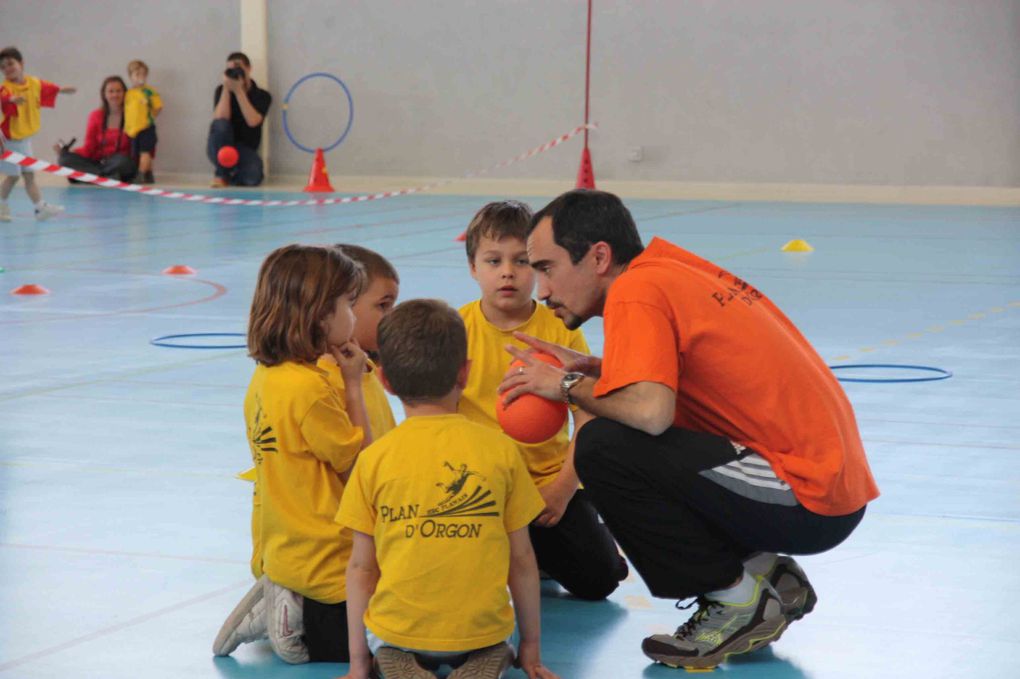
(145, 142)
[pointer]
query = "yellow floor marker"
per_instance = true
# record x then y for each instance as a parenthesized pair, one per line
(798, 245)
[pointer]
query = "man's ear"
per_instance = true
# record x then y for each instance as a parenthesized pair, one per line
(602, 252)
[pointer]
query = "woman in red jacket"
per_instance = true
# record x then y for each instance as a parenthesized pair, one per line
(107, 150)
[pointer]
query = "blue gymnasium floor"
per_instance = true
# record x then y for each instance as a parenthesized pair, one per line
(124, 536)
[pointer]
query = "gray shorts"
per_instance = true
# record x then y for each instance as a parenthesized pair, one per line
(22, 146)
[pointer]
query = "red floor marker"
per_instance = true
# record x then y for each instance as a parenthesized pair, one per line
(179, 270)
(30, 289)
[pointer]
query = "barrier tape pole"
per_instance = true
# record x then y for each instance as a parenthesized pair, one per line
(35, 164)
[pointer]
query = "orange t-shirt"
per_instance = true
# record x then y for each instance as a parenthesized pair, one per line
(740, 369)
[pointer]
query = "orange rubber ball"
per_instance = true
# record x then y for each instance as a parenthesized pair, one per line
(531, 418)
(227, 156)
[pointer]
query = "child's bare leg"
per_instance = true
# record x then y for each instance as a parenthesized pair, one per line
(31, 188)
(145, 162)
(7, 186)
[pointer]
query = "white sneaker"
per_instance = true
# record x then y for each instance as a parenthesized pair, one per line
(44, 211)
(5, 212)
(246, 623)
(285, 622)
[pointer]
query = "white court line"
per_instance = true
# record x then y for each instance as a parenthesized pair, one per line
(92, 636)
(115, 552)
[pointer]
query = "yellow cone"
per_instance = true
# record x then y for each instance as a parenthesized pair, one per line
(798, 246)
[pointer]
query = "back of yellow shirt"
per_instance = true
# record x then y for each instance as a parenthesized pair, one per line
(301, 440)
(489, 363)
(140, 106)
(440, 495)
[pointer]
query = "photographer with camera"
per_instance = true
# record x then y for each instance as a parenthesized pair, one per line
(241, 108)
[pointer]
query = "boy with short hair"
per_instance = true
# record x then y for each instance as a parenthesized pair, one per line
(572, 546)
(21, 98)
(142, 104)
(439, 508)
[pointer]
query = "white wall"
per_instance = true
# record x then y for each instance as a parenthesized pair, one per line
(887, 92)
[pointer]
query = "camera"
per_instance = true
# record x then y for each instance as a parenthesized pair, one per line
(234, 73)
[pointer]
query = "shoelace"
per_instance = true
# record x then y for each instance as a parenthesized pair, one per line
(704, 608)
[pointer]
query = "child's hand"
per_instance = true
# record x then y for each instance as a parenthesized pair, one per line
(17, 101)
(529, 659)
(359, 669)
(351, 359)
(557, 496)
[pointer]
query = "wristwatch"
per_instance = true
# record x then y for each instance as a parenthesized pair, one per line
(568, 382)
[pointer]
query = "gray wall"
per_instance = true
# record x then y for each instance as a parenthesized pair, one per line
(918, 92)
(72, 42)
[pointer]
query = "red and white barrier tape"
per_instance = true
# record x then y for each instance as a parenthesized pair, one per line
(42, 166)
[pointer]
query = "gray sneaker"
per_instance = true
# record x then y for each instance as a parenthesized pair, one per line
(718, 630)
(44, 211)
(246, 623)
(491, 662)
(392, 663)
(790, 582)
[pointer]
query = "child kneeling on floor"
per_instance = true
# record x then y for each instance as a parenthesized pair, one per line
(440, 509)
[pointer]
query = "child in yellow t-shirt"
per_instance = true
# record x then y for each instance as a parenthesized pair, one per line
(439, 508)
(142, 104)
(306, 425)
(21, 98)
(572, 546)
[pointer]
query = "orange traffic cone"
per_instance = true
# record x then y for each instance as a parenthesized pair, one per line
(461, 238)
(585, 173)
(318, 179)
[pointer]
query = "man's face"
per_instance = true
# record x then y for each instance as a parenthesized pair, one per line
(12, 69)
(570, 290)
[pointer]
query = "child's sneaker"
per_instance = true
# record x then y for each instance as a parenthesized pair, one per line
(485, 663)
(246, 623)
(392, 663)
(5, 212)
(720, 629)
(285, 622)
(790, 582)
(147, 178)
(44, 211)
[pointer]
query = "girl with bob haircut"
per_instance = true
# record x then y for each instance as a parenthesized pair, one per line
(306, 423)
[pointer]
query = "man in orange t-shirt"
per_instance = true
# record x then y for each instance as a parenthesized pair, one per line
(721, 438)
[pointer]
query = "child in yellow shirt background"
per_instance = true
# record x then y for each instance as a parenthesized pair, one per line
(142, 104)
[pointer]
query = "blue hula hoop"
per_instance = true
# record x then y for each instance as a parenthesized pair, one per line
(164, 341)
(939, 373)
(350, 104)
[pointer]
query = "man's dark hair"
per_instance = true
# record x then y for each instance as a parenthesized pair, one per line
(240, 56)
(422, 345)
(12, 53)
(582, 217)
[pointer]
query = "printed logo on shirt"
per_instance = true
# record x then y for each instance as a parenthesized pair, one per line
(261, 437)
(464, 497)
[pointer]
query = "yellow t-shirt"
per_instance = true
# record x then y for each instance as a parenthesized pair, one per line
(440, 494)
(301, 440)
(489, 363)
(22, 120)
(140, 107)
(380, 419)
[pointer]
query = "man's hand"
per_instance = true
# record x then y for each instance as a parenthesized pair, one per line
(573, 361)
(534, 377)
(557, 496)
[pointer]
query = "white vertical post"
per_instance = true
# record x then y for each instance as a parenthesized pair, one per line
(255, 43)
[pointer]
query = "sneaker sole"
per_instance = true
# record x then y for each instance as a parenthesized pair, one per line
(798, 602)
(389, 663)
(222, 645)
(762, 635)
(490, 665)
